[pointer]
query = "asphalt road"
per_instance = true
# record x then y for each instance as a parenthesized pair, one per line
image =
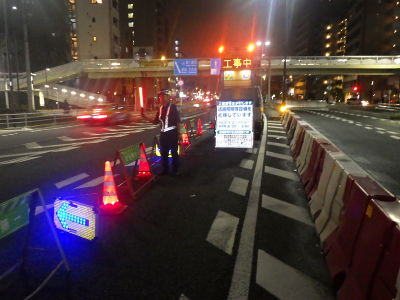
(371, 141)
(234, 224)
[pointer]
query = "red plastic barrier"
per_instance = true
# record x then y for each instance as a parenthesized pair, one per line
(289, 121)
(343, 240)
(368, 251)
(384, 284)
(311, 175)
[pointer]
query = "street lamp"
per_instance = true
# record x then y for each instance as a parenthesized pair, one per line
(285, 53)
(262, 44)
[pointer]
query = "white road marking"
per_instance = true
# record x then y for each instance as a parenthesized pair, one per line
(239, 186)
(286, 209)
(241, 277)
(40, 209)
(381, 132)
(278, 131)
(247, 163)
(392, 132)
(395, 137)
(277, 136)
(278, 144)
(278, 155)
(359, 124)
(95, 182)
(286, 282)
(381, 129)
(223, 231)
(18, 160)
(369, 128)
(71, 180)
(281, 173)
(183, 297)
(33, 145)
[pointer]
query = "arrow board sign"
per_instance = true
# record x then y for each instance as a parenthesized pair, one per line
(76, 218)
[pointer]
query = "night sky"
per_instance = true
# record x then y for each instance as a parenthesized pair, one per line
(203, 25)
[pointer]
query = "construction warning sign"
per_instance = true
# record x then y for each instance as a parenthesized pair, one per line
(234, 127)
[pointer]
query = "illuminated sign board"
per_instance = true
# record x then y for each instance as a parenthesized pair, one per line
(234, 127)
(185, 66)
(76, 218)
(236, 63)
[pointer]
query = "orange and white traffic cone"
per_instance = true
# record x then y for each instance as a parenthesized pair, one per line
(110, 204)
(144, 167)
(199, 129)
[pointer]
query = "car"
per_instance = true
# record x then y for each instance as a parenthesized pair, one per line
(356, 101)
(107, 113)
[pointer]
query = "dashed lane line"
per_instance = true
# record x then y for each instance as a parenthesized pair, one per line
(278, 155)
(247, 163)
(286, 209)
(281, 173)
(223, 231)
(278, 144)
(286, 282)
(71, 180)
(239, 186)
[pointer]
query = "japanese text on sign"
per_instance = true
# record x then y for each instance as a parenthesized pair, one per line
(237, 63)
(185, 66)
(234, 124)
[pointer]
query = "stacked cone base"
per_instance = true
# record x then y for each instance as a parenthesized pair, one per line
(112, 209)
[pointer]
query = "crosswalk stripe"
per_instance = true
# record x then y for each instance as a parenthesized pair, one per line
(18, 160)
(281, 173)
(278, 155)
(71, 180)
(33, 145)
(278, 144)
(239, 186)
(277, 136)
(95, 182)
(286, 209)
(286, 282)
(223, 231)
(247, 163)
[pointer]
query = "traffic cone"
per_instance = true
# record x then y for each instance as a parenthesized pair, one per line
(199, 130)
(185, 139)
(144, 167)
(110, 204)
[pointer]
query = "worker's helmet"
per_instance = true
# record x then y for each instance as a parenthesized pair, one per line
(163, 92)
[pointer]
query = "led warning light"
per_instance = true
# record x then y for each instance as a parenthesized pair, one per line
(355, 88)
(141, 96)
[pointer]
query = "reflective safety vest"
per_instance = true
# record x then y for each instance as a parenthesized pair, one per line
(164, 127)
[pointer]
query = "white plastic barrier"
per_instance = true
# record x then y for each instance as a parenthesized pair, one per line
(306, 150)
(328, 219)
(299, 128)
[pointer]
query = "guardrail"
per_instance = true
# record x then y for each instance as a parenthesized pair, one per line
(34, 119)
(299, 104)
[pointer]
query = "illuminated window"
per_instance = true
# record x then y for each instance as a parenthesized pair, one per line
(130, 16)
(97, 1)
(130, 6)
(396, 17)
(394, 45)
(328, 36)
(94, 39)
(327, 45)
(130, 24)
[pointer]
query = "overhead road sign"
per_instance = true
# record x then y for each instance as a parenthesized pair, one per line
(215, 66)
(185, 66)
(76, 218)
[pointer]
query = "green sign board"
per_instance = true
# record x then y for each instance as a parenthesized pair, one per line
(130, 154)
(14, 214)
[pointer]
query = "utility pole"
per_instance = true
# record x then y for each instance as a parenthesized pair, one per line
(10, 84)
(31, 98)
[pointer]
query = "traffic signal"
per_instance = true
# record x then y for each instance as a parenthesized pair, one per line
(355, 88)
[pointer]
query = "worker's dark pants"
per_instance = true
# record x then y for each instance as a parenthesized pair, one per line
(169, 141)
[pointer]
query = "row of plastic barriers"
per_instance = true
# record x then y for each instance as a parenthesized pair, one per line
(356, 219)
